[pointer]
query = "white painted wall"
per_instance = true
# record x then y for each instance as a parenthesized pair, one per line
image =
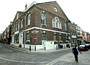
(48, 45)
(39, 47)
(21, 38)
(33, 47)
(12, 39)
(27, 46)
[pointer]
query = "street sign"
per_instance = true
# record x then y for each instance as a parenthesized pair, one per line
(35, 38)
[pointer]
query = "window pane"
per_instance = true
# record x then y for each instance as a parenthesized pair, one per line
(55, 9)
(43, 18)
(29, 19)
(53, 23)
(21, 23)
(44, 36)
(56, 23)
(65, 26)
(59, 38)
(54, 37)
(18, 25)
(28, 35)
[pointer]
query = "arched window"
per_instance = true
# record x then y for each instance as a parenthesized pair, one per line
(56, 23)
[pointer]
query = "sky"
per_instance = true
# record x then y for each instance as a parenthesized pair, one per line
(78, 11)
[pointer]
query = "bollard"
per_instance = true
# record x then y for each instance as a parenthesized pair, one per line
(29, 48)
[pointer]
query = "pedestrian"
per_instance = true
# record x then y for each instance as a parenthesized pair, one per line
(20, 45)
(75, 52)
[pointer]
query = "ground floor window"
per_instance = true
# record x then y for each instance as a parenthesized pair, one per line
(54, 37)
(27, 37)
(59, 38)
(44, 36)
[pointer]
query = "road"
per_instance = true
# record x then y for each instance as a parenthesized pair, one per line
(11, 56)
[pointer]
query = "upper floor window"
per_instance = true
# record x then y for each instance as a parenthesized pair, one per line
(56, 23)
(43, 18)
(25, 20)
(21, 23)
(18, 25)
(28, 23)
(65, 26)
(55, 9)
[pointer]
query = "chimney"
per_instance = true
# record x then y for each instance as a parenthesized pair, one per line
(25, 6)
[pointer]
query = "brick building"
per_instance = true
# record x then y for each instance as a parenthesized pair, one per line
(43, 21)
(72, 30)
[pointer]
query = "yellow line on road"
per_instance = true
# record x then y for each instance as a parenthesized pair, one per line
(56, 60)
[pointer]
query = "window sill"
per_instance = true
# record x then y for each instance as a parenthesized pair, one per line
(44, 24)
(56, 28)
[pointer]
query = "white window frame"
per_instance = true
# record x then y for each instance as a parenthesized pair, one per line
(56, 23)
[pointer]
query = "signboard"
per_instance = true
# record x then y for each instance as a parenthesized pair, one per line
(35, 38)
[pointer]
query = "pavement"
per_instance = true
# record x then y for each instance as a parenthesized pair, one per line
(68, 59)
(27, 50)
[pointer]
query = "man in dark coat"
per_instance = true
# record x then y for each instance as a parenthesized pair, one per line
(75, 52)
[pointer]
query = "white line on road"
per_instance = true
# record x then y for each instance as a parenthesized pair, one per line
(20, 61)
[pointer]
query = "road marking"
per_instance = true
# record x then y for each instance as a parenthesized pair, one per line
(20, 61)
(56, 60)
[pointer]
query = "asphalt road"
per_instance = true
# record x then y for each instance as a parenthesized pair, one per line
(14, 56)
(11, 56)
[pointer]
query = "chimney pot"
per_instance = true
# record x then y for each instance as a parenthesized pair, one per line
(25, 6)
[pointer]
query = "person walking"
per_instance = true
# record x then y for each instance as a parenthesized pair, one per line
(75, 52)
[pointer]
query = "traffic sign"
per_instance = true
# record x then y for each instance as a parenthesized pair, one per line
(35, 38)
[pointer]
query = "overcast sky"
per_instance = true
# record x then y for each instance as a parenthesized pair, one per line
(77, 11)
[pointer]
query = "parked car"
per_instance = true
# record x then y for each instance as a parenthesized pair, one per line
(88, 46)
(83, 47)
